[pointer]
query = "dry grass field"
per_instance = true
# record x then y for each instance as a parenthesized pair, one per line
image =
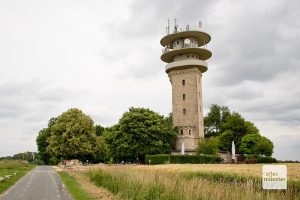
(190, 181)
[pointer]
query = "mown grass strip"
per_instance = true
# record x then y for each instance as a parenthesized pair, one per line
(19, 169)
(74, 188)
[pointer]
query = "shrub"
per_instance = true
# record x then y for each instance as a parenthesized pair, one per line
(208, 146)
(157, 159)
(181, 159)
(266, 159)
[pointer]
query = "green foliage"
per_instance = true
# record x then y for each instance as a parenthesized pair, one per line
(99, 130)
(73, 136)
(77, 192)
(139, 132)
(181, 159)
(239, 128)
(266, 159)
(216, 117)
(157, 159)
(208, 146)
(225, 140)
(228, 126)
(248, 142)
(42, 142)
(264, 147)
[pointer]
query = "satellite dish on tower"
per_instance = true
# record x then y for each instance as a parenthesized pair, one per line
(187, 41)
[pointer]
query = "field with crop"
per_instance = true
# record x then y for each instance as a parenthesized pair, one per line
(16, 169)
(185, 181)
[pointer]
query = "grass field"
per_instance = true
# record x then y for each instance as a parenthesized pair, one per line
(15, 168)
(205, 181)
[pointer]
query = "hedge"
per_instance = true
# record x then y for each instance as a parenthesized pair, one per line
(169, 158)
(266, 159)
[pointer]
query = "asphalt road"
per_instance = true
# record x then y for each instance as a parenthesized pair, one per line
(42, 183)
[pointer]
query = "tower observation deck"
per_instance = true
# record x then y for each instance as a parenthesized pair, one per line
(185, 52)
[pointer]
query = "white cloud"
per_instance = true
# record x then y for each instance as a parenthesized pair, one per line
(103, 57)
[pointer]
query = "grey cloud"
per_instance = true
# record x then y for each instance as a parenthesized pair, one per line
(254, 44)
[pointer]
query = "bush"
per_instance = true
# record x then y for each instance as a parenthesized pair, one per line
(157, 159)
(181, 159)
(266, 159)
(208, 146)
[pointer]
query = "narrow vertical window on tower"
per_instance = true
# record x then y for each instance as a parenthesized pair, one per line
(181, 132)
(184, 111)
(183, 96)
(183, 82)
(190, 132)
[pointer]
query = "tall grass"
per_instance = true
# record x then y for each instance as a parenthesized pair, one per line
(15, 168)
(145, 183)
(11, 164)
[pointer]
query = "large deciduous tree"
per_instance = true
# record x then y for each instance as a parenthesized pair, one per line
(42, 143)
(263, 147)
(139, 132)
(248, 143)
(214, 120)
(73, 135)
(208, 146)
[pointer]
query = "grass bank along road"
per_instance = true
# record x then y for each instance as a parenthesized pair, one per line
(42, 183)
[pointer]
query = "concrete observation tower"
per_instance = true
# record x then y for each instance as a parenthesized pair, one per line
(185, 53)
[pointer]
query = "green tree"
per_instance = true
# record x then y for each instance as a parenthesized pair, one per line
(139, 132)
(73, 136)
(263, 147)
(215, 118)
(239, 128)
(225, 140)
(248, 142)
(208, 146)
(99, 130)
(42, 143)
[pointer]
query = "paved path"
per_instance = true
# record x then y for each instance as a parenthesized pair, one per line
(42, 183)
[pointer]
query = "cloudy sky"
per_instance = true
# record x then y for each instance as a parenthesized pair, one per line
(104, 57)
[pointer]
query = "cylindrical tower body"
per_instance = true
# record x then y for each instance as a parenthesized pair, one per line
(185, 52)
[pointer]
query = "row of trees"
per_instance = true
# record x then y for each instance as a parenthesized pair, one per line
(29, 156)
(73, 134)
(140, 132)
(223, 126)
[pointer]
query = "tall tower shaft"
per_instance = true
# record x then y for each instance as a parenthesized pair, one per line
(185, 54)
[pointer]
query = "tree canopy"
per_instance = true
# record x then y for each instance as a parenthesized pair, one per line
(230, 126)
(263, 147)
(208, 146)
(42, 143)
(139, 132)
(73, 135)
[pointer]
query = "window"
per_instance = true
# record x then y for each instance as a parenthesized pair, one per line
(190, 132)
(188, 56)
(183, 82)
(183, 96)
(184, 111)
(177, 42)
(181, 132)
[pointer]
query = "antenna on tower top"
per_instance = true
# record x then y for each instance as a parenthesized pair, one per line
(175, 25)
(168, 28)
